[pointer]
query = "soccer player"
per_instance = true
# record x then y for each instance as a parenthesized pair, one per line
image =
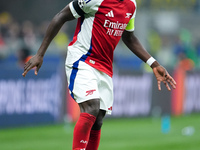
(101, 24)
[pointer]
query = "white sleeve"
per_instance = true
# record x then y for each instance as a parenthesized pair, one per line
(81, 7)
(73, 11)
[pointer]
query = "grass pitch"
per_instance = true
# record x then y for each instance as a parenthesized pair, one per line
(117, 134)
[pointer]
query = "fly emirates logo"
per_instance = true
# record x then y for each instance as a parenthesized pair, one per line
(114, 28)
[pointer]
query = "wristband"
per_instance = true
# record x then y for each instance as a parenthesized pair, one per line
(150, 61)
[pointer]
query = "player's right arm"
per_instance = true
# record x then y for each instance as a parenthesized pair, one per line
(52, 30)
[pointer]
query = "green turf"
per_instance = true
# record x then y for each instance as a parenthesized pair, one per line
(117, 134)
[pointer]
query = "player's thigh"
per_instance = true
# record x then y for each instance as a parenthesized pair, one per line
(82, 83)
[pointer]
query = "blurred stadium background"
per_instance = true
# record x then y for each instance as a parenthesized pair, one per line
(36, 113)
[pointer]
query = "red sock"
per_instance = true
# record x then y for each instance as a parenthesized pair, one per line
(94, 140)
(82, 131)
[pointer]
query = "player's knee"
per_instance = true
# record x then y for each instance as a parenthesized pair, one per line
(93, 110)
(91, 106)
(99, 120)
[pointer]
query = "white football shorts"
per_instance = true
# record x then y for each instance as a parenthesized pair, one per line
(86, 83)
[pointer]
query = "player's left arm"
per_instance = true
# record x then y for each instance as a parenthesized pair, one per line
(136, 47)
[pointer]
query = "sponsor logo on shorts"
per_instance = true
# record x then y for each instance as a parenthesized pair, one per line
(90, 92)
(110, 108)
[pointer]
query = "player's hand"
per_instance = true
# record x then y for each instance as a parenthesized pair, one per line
(35, 61)
(163, 76)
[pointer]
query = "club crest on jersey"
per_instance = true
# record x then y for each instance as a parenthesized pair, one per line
(110, 14)
(128, 15)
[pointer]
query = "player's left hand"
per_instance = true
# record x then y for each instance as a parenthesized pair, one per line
(163, 76)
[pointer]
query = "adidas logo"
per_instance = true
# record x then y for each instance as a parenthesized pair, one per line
(110, 14)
